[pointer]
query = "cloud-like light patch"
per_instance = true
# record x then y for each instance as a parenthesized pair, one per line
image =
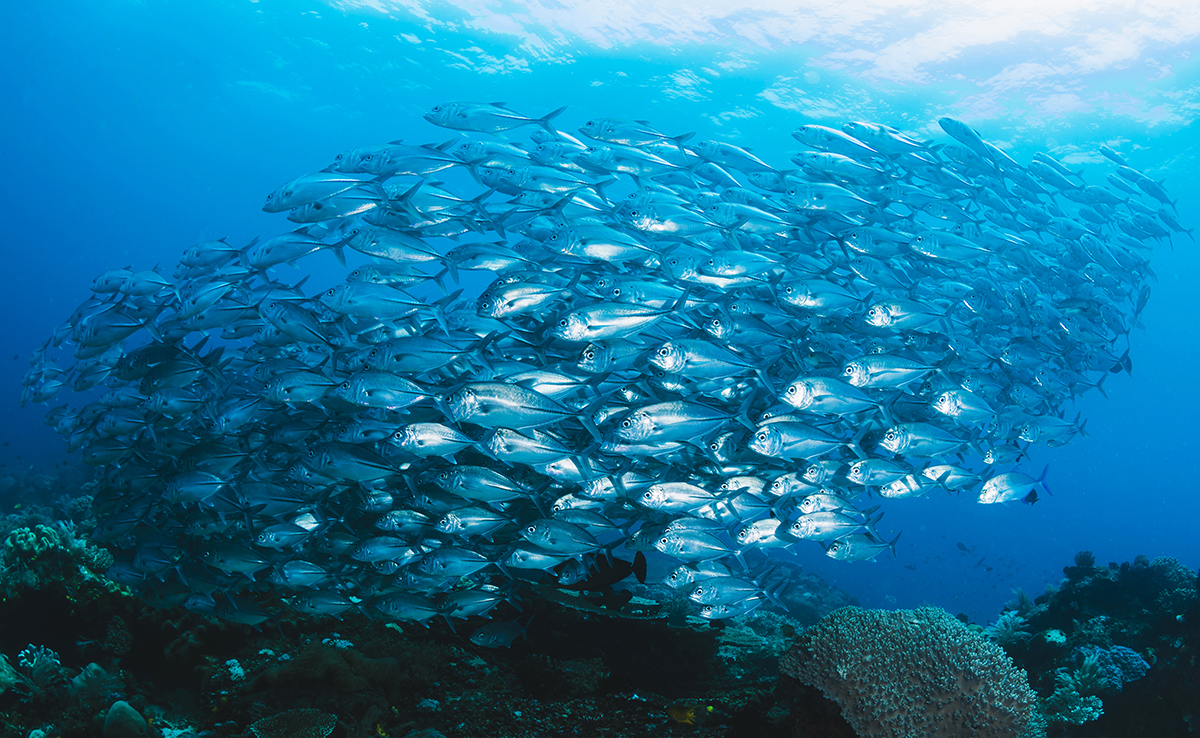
(730, 116)
(481, 62)
(1110, 49)
(1063, 103)
(686, 84)
(789, 95)
(1021, 76)
(901, 41)
(1019, 56)
(736, 62)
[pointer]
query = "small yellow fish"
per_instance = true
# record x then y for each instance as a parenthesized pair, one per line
(689, 713)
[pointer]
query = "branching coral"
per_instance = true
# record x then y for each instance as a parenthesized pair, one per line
(1107, 669)
(1008, 629)
(1022, 602)
(1068, 705)
(36, 554)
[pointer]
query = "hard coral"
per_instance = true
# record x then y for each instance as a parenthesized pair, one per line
(913, 673)
(1112, 668)
(299, 723)
(1068, 705)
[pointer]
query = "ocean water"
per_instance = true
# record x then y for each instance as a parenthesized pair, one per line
(134, 129)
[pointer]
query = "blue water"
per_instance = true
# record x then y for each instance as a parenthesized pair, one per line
(134, 129)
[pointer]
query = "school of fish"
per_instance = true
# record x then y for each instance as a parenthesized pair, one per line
(553, 353)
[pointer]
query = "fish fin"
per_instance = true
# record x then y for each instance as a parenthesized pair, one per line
(544, 121)
(585, 418)
(773, 592)
(601, 184)
(639, 566)
(892, 546)
(1042, 480)
(741, 559)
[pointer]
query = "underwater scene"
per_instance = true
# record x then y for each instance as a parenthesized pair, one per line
(419, 369)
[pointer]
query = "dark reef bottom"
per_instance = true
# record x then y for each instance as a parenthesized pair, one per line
(1111, 651)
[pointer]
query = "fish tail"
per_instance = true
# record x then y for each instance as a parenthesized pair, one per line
(544, 121)
(678, 140)
(1042, 480)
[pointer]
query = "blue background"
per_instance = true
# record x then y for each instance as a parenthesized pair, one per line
(132, 130)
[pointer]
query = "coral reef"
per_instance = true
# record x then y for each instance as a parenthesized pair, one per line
(44, 553)
(1068, 705)
(304, 722)
(913, 673)
(1111, 651)
(583, 670)
(1114, 648)
(1009, 628)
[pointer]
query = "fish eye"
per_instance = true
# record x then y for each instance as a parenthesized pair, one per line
(762, 436)
(367, 157)
(616, 292)
(331, 292)
(791, 390)
(436, 108)
(531, 529)
(664, 351)
(589, 355)
(633, 213)
(562, 323)
(664, 540)
(626, 423)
